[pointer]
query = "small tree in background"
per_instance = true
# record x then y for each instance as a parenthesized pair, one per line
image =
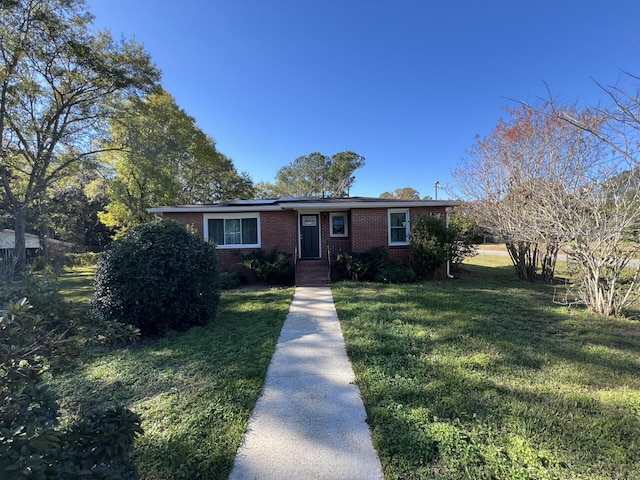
(406, 193)
(158, 277)
(314, 175)
(430, 244)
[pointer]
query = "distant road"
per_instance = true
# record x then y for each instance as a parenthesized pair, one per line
(633, 263)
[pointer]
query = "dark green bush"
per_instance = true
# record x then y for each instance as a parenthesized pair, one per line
(351, 264)
(32, 446)
(395, 272)
(229, 280)
(430, 245)
(158, 277)
(42, 290)
(274, 268)
(363, 266)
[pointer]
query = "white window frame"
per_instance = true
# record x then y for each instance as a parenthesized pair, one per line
(407, 222)
(233, 216)
(346, 224)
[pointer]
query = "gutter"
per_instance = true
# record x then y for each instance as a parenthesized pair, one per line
(364, 205)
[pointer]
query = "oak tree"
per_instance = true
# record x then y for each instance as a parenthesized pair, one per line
(59, 82)
(157, 155)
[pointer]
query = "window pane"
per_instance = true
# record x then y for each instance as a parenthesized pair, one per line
(232, 231)
(249, 231)
(398, 219)
(216, 231)
(309, 220)
(338, 225)
(398, 235)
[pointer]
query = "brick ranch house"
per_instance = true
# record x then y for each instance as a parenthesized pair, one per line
(312, 230)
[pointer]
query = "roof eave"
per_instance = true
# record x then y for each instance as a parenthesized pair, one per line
(304, 205)
(214, 208)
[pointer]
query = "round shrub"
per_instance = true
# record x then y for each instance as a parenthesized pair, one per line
(158, 277)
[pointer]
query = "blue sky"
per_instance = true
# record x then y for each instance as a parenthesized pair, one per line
(408, 84)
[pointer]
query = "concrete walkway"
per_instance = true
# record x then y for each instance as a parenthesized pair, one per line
(309, 421)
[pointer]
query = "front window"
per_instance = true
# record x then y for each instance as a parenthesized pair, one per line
(339, 226)
(235, 231)
(398, 227)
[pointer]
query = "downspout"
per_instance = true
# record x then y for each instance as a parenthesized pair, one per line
(446, 223)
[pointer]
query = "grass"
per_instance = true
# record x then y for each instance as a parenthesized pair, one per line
(484, 377)
(195, 390)
(76, 284)
(478, 377)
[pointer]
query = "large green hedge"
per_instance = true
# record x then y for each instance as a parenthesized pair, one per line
(158, 277)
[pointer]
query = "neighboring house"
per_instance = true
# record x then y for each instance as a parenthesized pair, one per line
(32, 244)
(312, 230)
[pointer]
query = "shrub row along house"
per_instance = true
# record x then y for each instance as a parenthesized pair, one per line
(312, 230)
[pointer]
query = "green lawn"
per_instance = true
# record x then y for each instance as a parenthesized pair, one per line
(484, 377)
(194, 390)
(478, 377)
(76, 284)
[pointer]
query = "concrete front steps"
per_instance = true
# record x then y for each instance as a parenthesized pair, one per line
(312, 273)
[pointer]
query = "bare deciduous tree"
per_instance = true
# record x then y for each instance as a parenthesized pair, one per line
(597, 225)
(504, 175)
(541, 183)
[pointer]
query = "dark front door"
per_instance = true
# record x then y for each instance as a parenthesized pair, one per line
(310, 236)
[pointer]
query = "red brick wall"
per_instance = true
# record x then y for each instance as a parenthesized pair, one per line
(368, 228)
(336, 244)
(278, 229)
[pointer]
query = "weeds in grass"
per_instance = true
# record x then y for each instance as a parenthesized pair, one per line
(195, 390)
(484, 377)
(76, 284)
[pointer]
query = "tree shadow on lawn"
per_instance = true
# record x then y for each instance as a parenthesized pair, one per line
(497, 357)
(194, 390)
(493, 427)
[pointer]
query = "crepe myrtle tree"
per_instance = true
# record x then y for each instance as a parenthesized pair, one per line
(59, 83)
(598, 227)
(504, 175)
(542, 184)
(607, 240)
